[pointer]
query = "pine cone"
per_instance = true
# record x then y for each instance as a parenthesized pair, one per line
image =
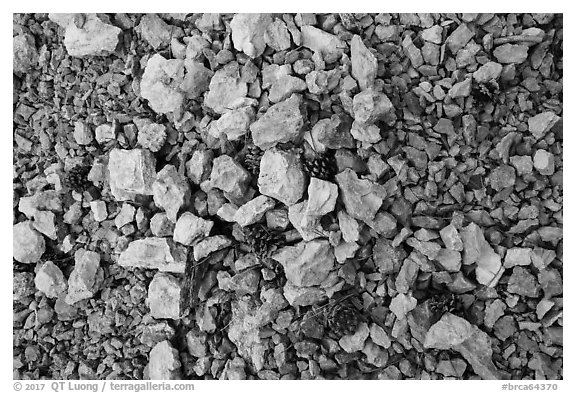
(252, 157)
(343, 319)
(322, 166)
(442, 303)
(262, 241)
(485, 92)
(77, 178)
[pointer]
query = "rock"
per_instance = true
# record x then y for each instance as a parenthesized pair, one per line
(375, 355)
(461, 89)
(273, 301)
(27, 244)
(155, 253)
(543, 122)
(355, 342)
(493, 312)
(199, 166)
(349, 227)
(44, 222)
(282, 176)
(227, 89)
(86, 278)
(387, 258)
(50, 280)
(307, 226)
(523, 164)
(433, 34)
(234, 370)
(99, 210)
(364, 63)
(523, 283)
(459, 38)
(132, 172)
(518, 257)
(323, 82)
(451, 368)
(155, 332)
(161, 226)
(450, 260)
(303, 296)
(244, 333)
(370, 106)
(478, 250)
(511, 53)
(277, 36)
(369, 133)
(281, 123)
(344, 251)
(25, 54)
(248, 32)
(171, 191)
(164, 296)
(197, 79)
(42, 200)
(455, 333)
(253, 211)
(209, 245)
(233, 124)
(384, 224)
(284, 87)
(157, 32)
(505, 327)
(190, 229)
(487, 72)
(82, 133)
(412, 52)
(544, 162)
(307, 263)
(151, 136)
(246, 282)
(164, 362)
(92, 38)
(322, 197)
(325, 44)
(359, 198)
(402, 304)
(334, 133)
(274, 72)
(551, 282)
(502, 177)
(229, 176)
(105, 133)
(196, 342)
(161, 84)
(379, 336)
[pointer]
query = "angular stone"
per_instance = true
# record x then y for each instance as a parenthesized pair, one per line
(518, 257)
(199, 166)
(82, 133)
(493, 312)
(277, 36)
(246, 282)
(379, 336)
(478, 250)
(368, 133)
(272, 302)
(459, 38)
(402, 304)
(42, 200)
(233, 124)
(191, 229)
(132, 172)
(243, 332)
(229, 176)
(282, 176)
(544, 162)
(197, 79)
(155, 253)
(370, 106)
(406, 276)
(157, 32)
(511, 53)
(502, 177)
(248, 31)
(284, 87)
(209, 245)
(455, 333)
(364, 63)
(429, 249)
(355, 342)
(307, 263)
(433, 34)
(450, 260)
(99, 210)
(196, 342)
(86, 278)
(334, 133)
(44, 222)
(25, 54)
(161, 226)
(349, 227)
(164, 296)
(359, 198)
(91, 37)
(171, 191)
(27, 244)
(105, 133)
(322, 197)
(487, 72)
(227, 89)
(281, 123)
(387, 257)
(461, 89)
(164, 362)
(303, 296)
(384, 224)
(412, 52)
(323, 82)
(523, 164)
(307, 226)
(327, 45)
(543, 122)
(161, 84)
(252, 211)
(523, 283)
(151, 135)
(50, 280)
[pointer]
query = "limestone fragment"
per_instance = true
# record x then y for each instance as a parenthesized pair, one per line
(164, 362)
(277, 36)
(86, 278)
(281, 123)
(155, 253)
(151, 135)
(229, 176)
(28, 245)
(370, 106)
(171, 191)
(364, 63)
(234, 124)
(402, 304)
(50, 280)
(307, 263)
(25, 54)
(164, 296)
(161, 84)
(132, 172)
(191, 229)
(281, 176)
(511, 53)
(358, 195)
(487, 72)
(544, 162)
(322, 197)
(209, 245)
(355, 342)
(478, 250)
(157, 32)
(243, 332)
(248, 33)
(227, 89)
(199, 166)
(327, 45)
(543, 122)
(252, 211)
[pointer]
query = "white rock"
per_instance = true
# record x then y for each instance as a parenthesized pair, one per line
(44, 222)
(164, 362)
(83, 133)
(164, 296)
(99, 210)
(248, 32)
(151, 135)
(209, 245)
(281, 176)
(370, 106)
(518, 257)
(544, 162)
(308, 227)
(132, 172)
(369, 133)
(161, 84)
(244, 333)
(375, 355)
(252, 211)
(348, 226)
(542, 123)
(327, 45)
(161, 226)
(25, 54)
(229, 176)
(227, 212)
(322, 197)
(28, 245)
(359, 196)
(86, 278)
(199, 166)
(379, 336)
(277, 35)
(157, 32)
(355, 342)
(307, 263)
(155, 253)
(191, 229)
(233, 124)
(227, 89)
(126, 215)
(364, 63)
(171, 191)
(50, 280)
(402, 304)
(489, 71)
(303, 296)
(477, 250)
(105, 133)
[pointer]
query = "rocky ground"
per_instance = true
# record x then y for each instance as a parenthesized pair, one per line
(297, 196)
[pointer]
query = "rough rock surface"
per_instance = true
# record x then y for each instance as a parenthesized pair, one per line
(477, 250)
(230, 177)
(132, 172)
(227, 90)
(171, 191)
(358, 195)
(164, 296)
(248, 33)
(86, 278)
(155, 253)
(364, 63)
(307, 263)
(281, 123)
(28, 245)
(281, 176)
(190, 229)
(164, 362)
(50, 280)
(252, 211)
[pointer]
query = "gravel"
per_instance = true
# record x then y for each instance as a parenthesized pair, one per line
(196, 195)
